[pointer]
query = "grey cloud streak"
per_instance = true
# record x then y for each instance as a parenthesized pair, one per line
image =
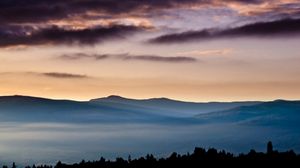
(59, 75)
(155, 58)
(128, 57)
(78, 56)
(279, 28)
(63, 75)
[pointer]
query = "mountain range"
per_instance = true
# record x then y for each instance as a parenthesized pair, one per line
(119, 109)
(115, 126)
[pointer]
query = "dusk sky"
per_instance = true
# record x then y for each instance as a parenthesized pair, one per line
(192, 50)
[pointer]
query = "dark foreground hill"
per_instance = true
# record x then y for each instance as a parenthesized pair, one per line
(199, 158)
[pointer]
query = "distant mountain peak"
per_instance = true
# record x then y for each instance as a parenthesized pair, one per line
(115, 97)
(111, 98)
(120, 98)
(280, 100)
(162, 99)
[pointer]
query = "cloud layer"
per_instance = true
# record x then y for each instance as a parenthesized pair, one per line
(43, 11)
(284, 27)
(32, 11)
(128, 57)
(88, 22)
(155, 58)
(63, 75)
(60, 75)
(57, 35)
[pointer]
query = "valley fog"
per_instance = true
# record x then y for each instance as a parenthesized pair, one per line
(34, 143)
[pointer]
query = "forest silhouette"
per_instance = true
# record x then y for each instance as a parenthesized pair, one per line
(199, 158)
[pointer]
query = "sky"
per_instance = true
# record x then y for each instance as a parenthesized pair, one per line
(191, 50)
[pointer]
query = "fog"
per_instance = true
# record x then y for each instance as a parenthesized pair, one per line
(28, 143)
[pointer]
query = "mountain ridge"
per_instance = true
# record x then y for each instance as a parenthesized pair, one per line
(114, 104)
(118, 97)
(19, 107)
(275, 113)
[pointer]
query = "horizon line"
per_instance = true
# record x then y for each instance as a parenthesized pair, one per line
(149, 98)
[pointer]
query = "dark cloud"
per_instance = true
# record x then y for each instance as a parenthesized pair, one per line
(278, 28)
(63, 75)
(49, 74)
(28, 22)
(77, 56)
(32, 11)
(156, 58)
(128, 57)
(58, 35)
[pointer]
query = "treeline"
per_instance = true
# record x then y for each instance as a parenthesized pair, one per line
(199, 158)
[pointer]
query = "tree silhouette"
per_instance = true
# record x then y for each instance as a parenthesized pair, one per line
(14, 165)
(199, 158)
(269, 147)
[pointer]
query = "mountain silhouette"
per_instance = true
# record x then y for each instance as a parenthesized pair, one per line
(156, 125)
(274, 113)
(25, 108)
(169, 107)
(117, 109)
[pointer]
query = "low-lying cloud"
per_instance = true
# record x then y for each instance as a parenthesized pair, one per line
(128, 57)
(278, 28)
(78, 56)
(155, 58)
(63, 75)
(214, 52)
